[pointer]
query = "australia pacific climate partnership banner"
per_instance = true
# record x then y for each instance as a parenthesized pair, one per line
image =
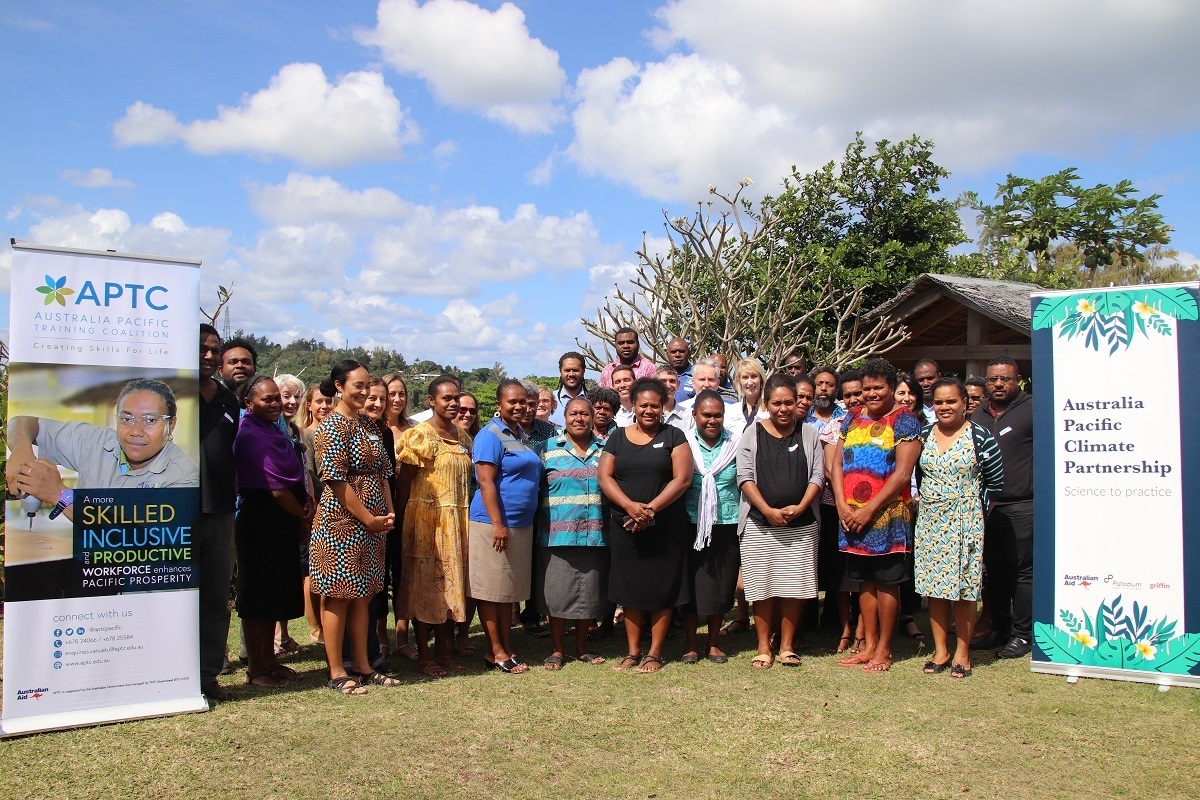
(1117, 483)
(100, 613)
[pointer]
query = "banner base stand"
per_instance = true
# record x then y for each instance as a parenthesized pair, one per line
(22, 726)
(1074, 672)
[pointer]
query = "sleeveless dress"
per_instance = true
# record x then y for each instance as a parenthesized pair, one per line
(948, 559)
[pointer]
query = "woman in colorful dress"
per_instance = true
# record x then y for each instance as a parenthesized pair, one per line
(435, 466)
(780, 470)
(346, 553)
(572, 542)
(959, 464)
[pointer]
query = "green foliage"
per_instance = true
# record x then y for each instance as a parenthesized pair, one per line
(1119, 639)
(1057, 225)
(876, 218)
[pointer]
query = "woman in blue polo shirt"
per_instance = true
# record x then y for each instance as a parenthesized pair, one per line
(500, 544)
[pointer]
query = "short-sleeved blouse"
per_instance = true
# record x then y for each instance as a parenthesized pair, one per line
(641, 471)
(518, 473)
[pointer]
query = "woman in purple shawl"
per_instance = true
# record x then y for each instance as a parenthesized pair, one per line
(273, 503)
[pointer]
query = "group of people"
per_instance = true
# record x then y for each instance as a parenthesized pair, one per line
(671, 492)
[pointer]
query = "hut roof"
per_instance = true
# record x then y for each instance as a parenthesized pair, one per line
(1006, 302)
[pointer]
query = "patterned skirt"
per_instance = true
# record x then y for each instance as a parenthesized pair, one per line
(948, 549)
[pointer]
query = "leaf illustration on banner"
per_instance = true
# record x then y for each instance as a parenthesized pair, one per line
(1179, 656)
(1112, 318)
(1058, 645)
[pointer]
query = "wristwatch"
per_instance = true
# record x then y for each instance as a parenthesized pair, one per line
(65, 499)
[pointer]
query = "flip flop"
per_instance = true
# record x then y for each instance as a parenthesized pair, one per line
(762, 661)
(553, 663)
(853, 660)
(592, 658)
(877, 666)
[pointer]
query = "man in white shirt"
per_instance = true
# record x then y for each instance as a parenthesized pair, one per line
(673, 413)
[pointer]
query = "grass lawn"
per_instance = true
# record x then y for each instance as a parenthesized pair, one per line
(700, 731)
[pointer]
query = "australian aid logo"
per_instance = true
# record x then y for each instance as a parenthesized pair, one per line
(32, 694)
(68, 309)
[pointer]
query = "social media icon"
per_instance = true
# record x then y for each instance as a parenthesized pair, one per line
(58, 632)
(70, 631)
(79, 631)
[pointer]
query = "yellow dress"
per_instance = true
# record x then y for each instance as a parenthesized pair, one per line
(433, 539)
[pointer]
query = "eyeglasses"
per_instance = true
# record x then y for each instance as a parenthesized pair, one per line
(149, 421)
(999, 379)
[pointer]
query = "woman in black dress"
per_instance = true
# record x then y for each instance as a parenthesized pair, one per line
(274, 501)
(644, 471)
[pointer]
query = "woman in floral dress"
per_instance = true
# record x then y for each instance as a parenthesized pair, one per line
(959, 464)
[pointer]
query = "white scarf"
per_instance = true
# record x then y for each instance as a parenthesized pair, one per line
(706, 507)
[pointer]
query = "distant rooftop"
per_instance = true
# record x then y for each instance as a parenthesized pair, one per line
(1004, 301)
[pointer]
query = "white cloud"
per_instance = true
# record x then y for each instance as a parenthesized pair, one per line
(456, 251)
(112, 229)
(300, 115)
(305, 199)
(750, 88)
(670, 128)
(444, 151)
(94, 178)
(472, 58)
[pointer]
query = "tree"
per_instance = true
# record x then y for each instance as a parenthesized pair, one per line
(731, 283)
(1079, 235)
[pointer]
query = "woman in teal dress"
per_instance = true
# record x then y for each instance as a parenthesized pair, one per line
(959, 464)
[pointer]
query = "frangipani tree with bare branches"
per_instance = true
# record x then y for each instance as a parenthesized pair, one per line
(731, 283)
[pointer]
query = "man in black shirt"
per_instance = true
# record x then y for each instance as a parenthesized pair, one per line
(239, 363)
(1008, 533)
(213, 532)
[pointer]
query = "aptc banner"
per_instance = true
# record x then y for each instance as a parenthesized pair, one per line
(1117, 483)
(101, 604)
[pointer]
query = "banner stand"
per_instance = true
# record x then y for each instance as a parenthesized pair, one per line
(1116, 558)
(101, 612)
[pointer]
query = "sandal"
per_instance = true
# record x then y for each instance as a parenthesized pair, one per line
(719, 658)
(553, 662)
(841, 648)
(289, 674)
(650, 664)
(432, 669)
(853, 660)
(877, 666)
(859, 644)
(379, 679)
(407, 651)
(347, 684)
(959, 671)
(690, 658)
(628, 661)
(450, 664)
(737, 626)
(762, 661)
(789, 659)
(933, 668)
(592, 658)
(513, 666)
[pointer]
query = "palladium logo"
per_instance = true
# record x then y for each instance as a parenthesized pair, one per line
(55, 290)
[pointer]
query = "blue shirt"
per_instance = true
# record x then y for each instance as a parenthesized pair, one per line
(819, 424)
(686, 391)
(519, 470)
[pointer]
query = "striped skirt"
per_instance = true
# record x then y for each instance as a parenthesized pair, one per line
(779, 562)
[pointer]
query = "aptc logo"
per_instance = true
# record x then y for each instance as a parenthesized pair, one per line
(56, 290)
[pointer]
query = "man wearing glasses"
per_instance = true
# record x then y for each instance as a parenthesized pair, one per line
(1008, 533)
(139, 454)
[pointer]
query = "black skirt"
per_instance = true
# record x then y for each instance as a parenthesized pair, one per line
(269, 582)
(648, 568)
(712, 572)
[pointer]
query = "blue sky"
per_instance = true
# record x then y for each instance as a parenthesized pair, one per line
(462, 181)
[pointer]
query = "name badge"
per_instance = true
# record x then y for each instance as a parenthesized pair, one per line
(228, 417)
(878, 442)
(1004, 430)
(657, 446)
(374, 437)
(792, 449)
